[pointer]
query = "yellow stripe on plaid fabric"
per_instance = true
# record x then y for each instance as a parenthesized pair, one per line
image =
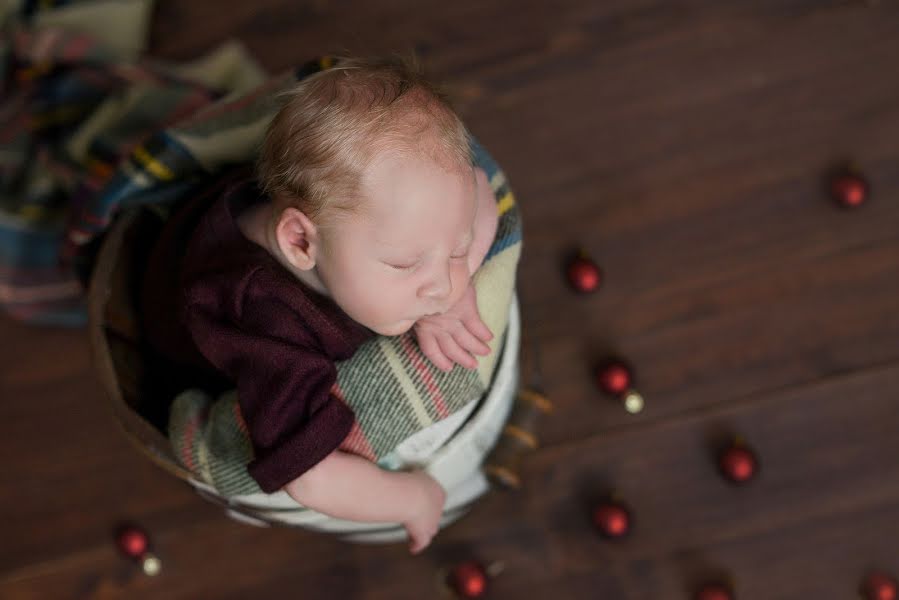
(405, 382)
(33, 212)
(156, 168)
(505, 203)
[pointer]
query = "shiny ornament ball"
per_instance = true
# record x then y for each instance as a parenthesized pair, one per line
(613, 520)
(879, 586)
(132, 541)
(614, 377)
(469, 579)
(849, 189)
(738, 463)
(584, 275)
(633, 402)
(714, 591)
(150, 564)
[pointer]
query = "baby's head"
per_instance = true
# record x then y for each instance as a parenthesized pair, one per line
(373, 190)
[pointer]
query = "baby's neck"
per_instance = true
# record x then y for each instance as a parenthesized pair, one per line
(257, 224)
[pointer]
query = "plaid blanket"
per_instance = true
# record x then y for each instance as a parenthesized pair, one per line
(89, 127)
(85, 131)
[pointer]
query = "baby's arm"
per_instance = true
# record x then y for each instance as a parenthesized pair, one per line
(347, 486)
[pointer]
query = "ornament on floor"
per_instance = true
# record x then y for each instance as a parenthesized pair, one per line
(468, 579)
(134, 543)
(616, 378)
(737, 462)
(880, 586)
(583, 274)
(849, 188)
(612, 519)
(715, 590)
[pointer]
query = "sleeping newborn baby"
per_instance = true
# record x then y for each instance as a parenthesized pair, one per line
(366, 216)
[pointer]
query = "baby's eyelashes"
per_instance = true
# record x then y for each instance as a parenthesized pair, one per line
(401, 267)
(410, 266)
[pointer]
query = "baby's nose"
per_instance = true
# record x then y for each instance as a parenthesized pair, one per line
(438, 288)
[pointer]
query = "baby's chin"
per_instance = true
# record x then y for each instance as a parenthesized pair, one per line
(393, 329)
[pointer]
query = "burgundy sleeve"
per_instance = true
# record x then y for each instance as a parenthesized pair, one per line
(283, 383)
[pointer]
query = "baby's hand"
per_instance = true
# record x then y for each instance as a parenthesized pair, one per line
(425, 509)
(454, 334)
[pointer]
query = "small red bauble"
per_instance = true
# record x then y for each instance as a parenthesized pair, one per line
(714, 591)
(584, 275)
(879, 586)
(738, 463)
(132, 541)
(849, 189)
(612, 519)
(468, 579)
(614, 378)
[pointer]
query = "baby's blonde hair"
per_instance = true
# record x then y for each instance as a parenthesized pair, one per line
(335, 122)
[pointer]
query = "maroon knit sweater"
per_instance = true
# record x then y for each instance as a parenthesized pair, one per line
(233, 306)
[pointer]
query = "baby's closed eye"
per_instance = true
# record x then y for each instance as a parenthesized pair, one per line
(402, 267)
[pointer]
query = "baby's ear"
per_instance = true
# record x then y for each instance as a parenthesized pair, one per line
(297, 238)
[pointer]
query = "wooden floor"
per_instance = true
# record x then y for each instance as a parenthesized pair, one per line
(683, 145)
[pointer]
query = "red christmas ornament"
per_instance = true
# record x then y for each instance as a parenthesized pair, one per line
(738, 463)
(612, 519)
(880, 586)
(468, 579)
(849, 189)
(583, 274)
(714, 591)
(132, 541)
(614, 377)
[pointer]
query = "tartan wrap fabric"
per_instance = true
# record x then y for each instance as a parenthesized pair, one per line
(391, 386)
(88, 127)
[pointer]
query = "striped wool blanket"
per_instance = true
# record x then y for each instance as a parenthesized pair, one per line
(89, 127)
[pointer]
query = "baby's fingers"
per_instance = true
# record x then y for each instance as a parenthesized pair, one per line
(451, 348)
(469, 342)
(417, 544)
(431, 349)
(475, 325)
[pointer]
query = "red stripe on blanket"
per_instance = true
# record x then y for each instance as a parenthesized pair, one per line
(238, 418)
(187, 456)
(355, 442)
(415, 357)
(75, 48)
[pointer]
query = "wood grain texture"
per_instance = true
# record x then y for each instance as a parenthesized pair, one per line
(683, 145)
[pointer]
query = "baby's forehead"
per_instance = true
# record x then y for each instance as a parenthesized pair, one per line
(410, 201)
